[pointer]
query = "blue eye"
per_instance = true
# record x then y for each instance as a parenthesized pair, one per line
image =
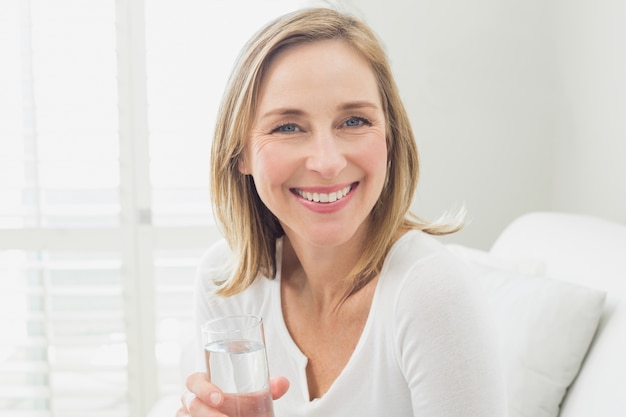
(356, 121)
(287, 128)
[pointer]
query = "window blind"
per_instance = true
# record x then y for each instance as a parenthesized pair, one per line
(175, 325)
(63, 350)
(61, 127)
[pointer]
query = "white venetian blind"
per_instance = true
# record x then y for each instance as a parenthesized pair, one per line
(63, 344)
(58, 123)
(64, 348)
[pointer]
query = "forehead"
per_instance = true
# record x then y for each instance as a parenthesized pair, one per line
(331, 45)
(309, 67)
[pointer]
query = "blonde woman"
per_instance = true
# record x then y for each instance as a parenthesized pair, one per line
(313, 170)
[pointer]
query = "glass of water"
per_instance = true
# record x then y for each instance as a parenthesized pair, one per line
(236, 362)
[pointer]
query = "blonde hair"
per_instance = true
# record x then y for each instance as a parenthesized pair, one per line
(249, 227)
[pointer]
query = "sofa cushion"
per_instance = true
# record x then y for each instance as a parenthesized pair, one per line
(545, 329)
(588, 251)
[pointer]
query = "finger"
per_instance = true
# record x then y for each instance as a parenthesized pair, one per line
(205, 391)
(278, 386)
(182, 412)
(193, 406)
(186, 398)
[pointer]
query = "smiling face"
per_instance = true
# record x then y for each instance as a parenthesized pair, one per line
(317, 149)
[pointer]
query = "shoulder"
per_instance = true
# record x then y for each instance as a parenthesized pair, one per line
(215, 266)
(420, 257)
(216, 256)
(424, 279)
(442, 335)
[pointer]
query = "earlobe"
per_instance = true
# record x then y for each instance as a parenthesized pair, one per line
(241, 165)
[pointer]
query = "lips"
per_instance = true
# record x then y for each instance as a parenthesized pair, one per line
(318, 197)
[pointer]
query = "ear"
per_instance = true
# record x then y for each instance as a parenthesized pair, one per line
(242, 166)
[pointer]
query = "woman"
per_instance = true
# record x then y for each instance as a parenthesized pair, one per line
(314, 166)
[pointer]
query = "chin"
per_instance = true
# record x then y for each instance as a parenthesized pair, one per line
(330, 237)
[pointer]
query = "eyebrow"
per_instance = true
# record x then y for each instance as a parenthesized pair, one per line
(357, 105)
(283, 112)
(352, 105)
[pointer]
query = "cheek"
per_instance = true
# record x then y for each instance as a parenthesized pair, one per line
(269, 166)
(374, 158)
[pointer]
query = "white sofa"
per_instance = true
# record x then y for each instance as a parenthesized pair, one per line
(590, 252)
(557, 283)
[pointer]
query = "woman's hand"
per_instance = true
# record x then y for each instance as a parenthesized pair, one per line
(204, 399)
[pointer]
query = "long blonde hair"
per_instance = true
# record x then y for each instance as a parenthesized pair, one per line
(249, 227)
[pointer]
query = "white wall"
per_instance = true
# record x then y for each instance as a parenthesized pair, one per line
(590, 171)
(483, 83)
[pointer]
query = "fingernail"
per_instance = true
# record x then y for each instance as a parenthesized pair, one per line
(215, 398)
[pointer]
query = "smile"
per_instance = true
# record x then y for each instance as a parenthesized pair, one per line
(324, 197)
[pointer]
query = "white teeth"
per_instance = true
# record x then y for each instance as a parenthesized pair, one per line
(323, 197)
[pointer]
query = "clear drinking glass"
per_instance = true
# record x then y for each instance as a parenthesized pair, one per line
(236, 361)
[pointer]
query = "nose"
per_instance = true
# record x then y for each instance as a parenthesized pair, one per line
(326, 156)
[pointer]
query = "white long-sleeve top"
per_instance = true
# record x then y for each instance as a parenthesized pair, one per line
(426, 349)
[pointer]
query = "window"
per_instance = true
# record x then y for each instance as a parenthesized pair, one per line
(106, 114)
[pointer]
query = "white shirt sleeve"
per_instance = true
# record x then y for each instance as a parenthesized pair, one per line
(446, 348)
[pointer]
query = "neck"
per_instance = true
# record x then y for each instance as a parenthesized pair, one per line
(319, 273)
